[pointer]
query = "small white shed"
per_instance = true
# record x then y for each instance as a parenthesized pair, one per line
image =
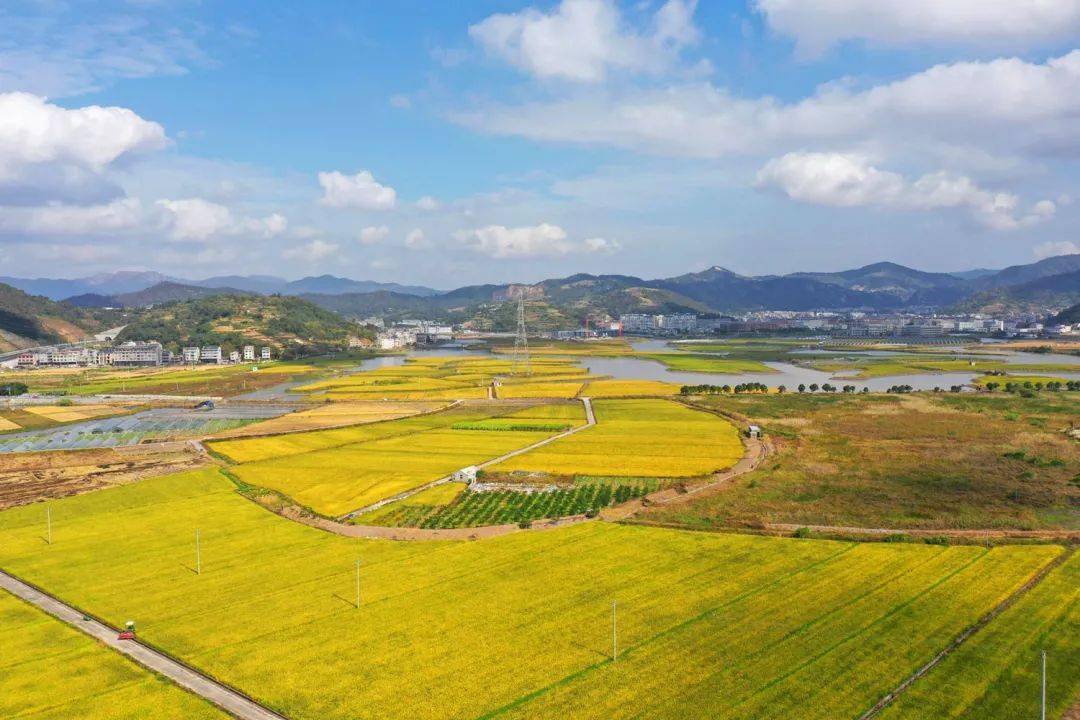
(753, 431)
(466, 474)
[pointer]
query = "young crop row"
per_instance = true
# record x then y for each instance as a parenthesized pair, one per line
(474, 509)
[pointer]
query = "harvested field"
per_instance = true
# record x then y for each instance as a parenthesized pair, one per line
(31, 477)
(710, 625)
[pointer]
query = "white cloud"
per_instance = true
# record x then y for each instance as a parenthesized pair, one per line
(427, 203)
(585, 40)
(198, 220)
(1008, 24)
(415, 240)
(310, 252)
(54, 156)
(56, 219)
(1052, 249)
(849, 180)
(374, 235)
(997, 107)
(360, 191)
(543, 240)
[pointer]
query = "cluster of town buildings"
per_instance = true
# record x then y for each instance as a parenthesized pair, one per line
(136, 354)
(408, 333)
(849, 325)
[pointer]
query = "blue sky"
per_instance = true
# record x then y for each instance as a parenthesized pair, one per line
(455, 143)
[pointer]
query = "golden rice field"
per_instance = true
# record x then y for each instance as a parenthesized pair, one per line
(996, 674)
(440, 378)
(638, 438)
(6, 424)
(72, 413)
(332, 415)
(443, 494)
(710, 625)
(628, 388)
(49, 671)
(538, 390)
(336, 471)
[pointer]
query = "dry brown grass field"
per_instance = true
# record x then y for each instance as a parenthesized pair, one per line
(889, 461)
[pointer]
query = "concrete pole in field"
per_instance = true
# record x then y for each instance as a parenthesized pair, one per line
(198, 553)
(614, 634)
(48, 525)
(1043, 714)
(357, 583)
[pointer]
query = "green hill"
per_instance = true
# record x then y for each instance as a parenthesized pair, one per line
(290, 325)
(28, 320)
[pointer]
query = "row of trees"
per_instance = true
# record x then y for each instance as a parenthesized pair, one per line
(1036, 386)
(751, 387)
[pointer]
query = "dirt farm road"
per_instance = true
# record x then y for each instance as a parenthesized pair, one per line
(214, 692)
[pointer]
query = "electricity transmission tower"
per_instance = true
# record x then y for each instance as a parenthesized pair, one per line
(520, 360)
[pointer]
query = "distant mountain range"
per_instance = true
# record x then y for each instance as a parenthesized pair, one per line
(1051, 283)
(125, 282)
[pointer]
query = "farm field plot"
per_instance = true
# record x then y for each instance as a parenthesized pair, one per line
(73, 413)
(6, 424)
(885, 461)
(539, 390)
(335, 415)
(638, 438)
(628, 388)
(158, 424)
(997, 673)
(710, 625)
(51, 671)
(337, 471)
(439, 378)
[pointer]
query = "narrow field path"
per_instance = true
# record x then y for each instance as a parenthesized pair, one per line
(987, 533)
(590, 420)
(959, 640)
(226, 698)
(756, 452)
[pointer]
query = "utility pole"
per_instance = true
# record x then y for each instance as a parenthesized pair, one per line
(357, 583)
(198, 554)
(48, 525)
(614, 634)
(1043, 714)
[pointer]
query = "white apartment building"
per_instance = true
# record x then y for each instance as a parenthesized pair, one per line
(677, 322)
(133, 353)
(637, 323)
(265, 353)
(211, 354)
(191, 355)
(249, 353)
(234, 356)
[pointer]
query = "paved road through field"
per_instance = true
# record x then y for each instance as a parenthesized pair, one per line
(227, 699)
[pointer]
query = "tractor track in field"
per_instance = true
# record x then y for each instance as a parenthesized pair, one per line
(960, 639)
(191, 679)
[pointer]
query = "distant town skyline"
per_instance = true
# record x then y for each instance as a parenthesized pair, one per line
(446, 144)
